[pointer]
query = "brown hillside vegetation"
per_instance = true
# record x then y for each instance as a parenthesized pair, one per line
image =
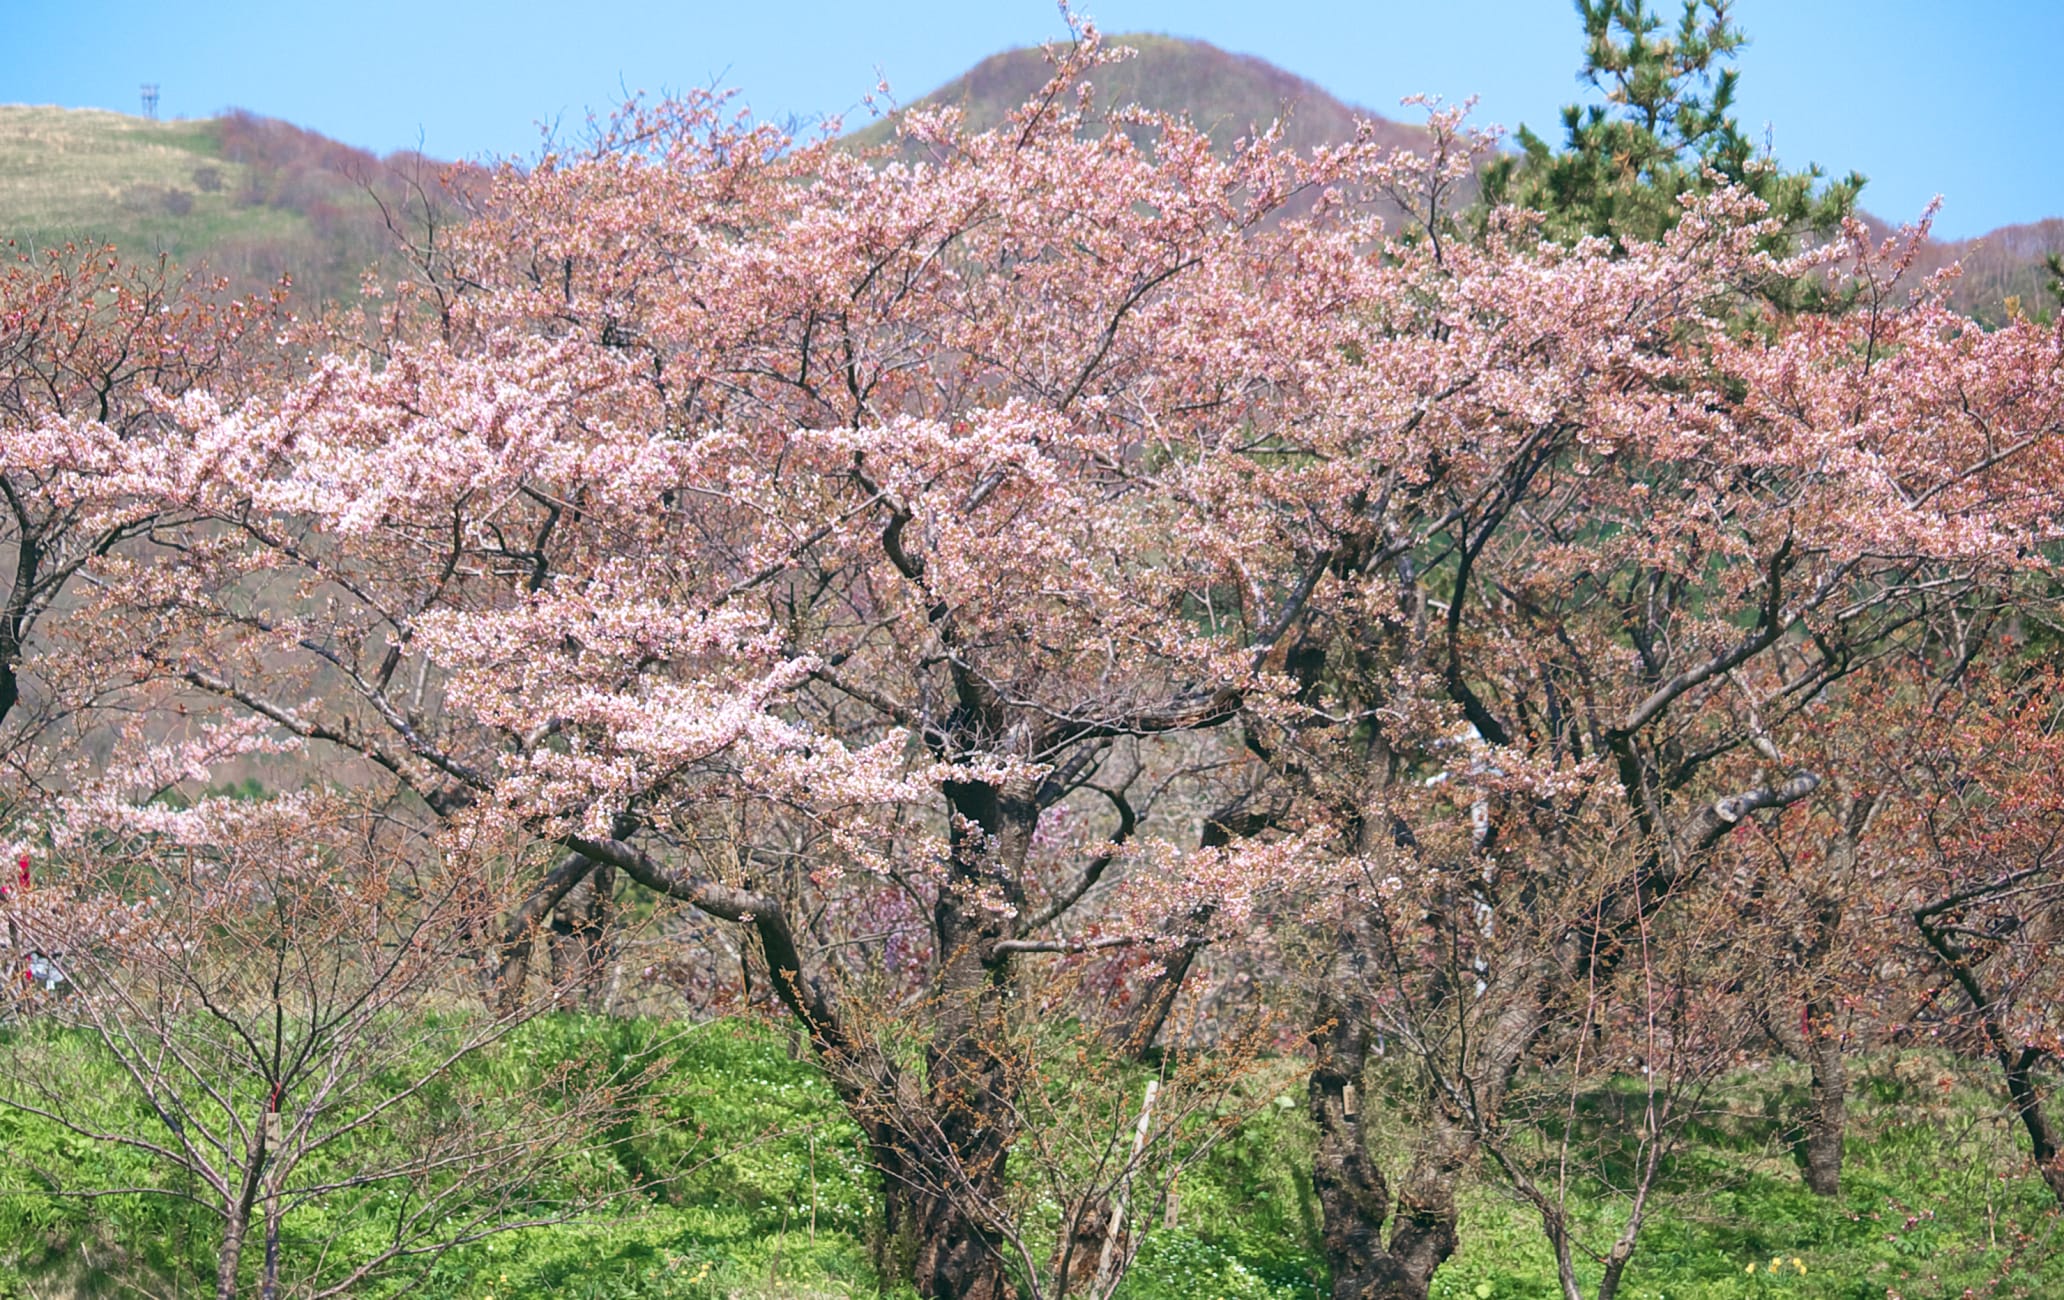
(2003, 270)
(1230, 95)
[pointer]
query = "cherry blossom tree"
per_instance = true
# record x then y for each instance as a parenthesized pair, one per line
(796, 555)
(1980, 830)
(1592, 548)
(898, 559)
(94, 350)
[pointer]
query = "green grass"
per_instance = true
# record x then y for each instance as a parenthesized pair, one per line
(777, 1199)
(87, 175)
(1937, 1201)
(241, 197)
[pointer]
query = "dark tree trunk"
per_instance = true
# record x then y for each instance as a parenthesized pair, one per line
(942, 1157)
(1799, 1015)
(2018, 1065)
(939, 1151)
(1135, 1036)
(1826, 1117)
(1354, 1198)
(236, 1226)
(956, 1257)
(2028, 1103)
(941, 1146)
(955, 1158)
(1423, 1234)
(1822, 1046)
(10, 689)
(957, 1149)
(268, 1276)
(14, 616)
(1811, 1037)
(512, 947)
(1138, 1031)
(227, 1259)
(1084, 1238)
(579, 940)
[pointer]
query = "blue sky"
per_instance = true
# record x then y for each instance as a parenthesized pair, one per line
(1956, 97)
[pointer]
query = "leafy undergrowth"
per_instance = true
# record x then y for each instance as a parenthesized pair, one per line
(756, 1186)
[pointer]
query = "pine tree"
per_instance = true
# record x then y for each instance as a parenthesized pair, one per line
(1667, 130)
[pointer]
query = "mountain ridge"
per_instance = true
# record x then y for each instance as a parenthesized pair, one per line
(2002, 267)
(1228, 94)
(255, 197)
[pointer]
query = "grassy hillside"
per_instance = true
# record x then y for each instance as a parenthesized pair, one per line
(249, 197)
(775, 1200)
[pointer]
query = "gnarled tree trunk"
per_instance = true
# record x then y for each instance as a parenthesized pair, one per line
(1355, 1200)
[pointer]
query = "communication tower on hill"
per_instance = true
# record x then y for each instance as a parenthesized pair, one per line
(150, 100)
